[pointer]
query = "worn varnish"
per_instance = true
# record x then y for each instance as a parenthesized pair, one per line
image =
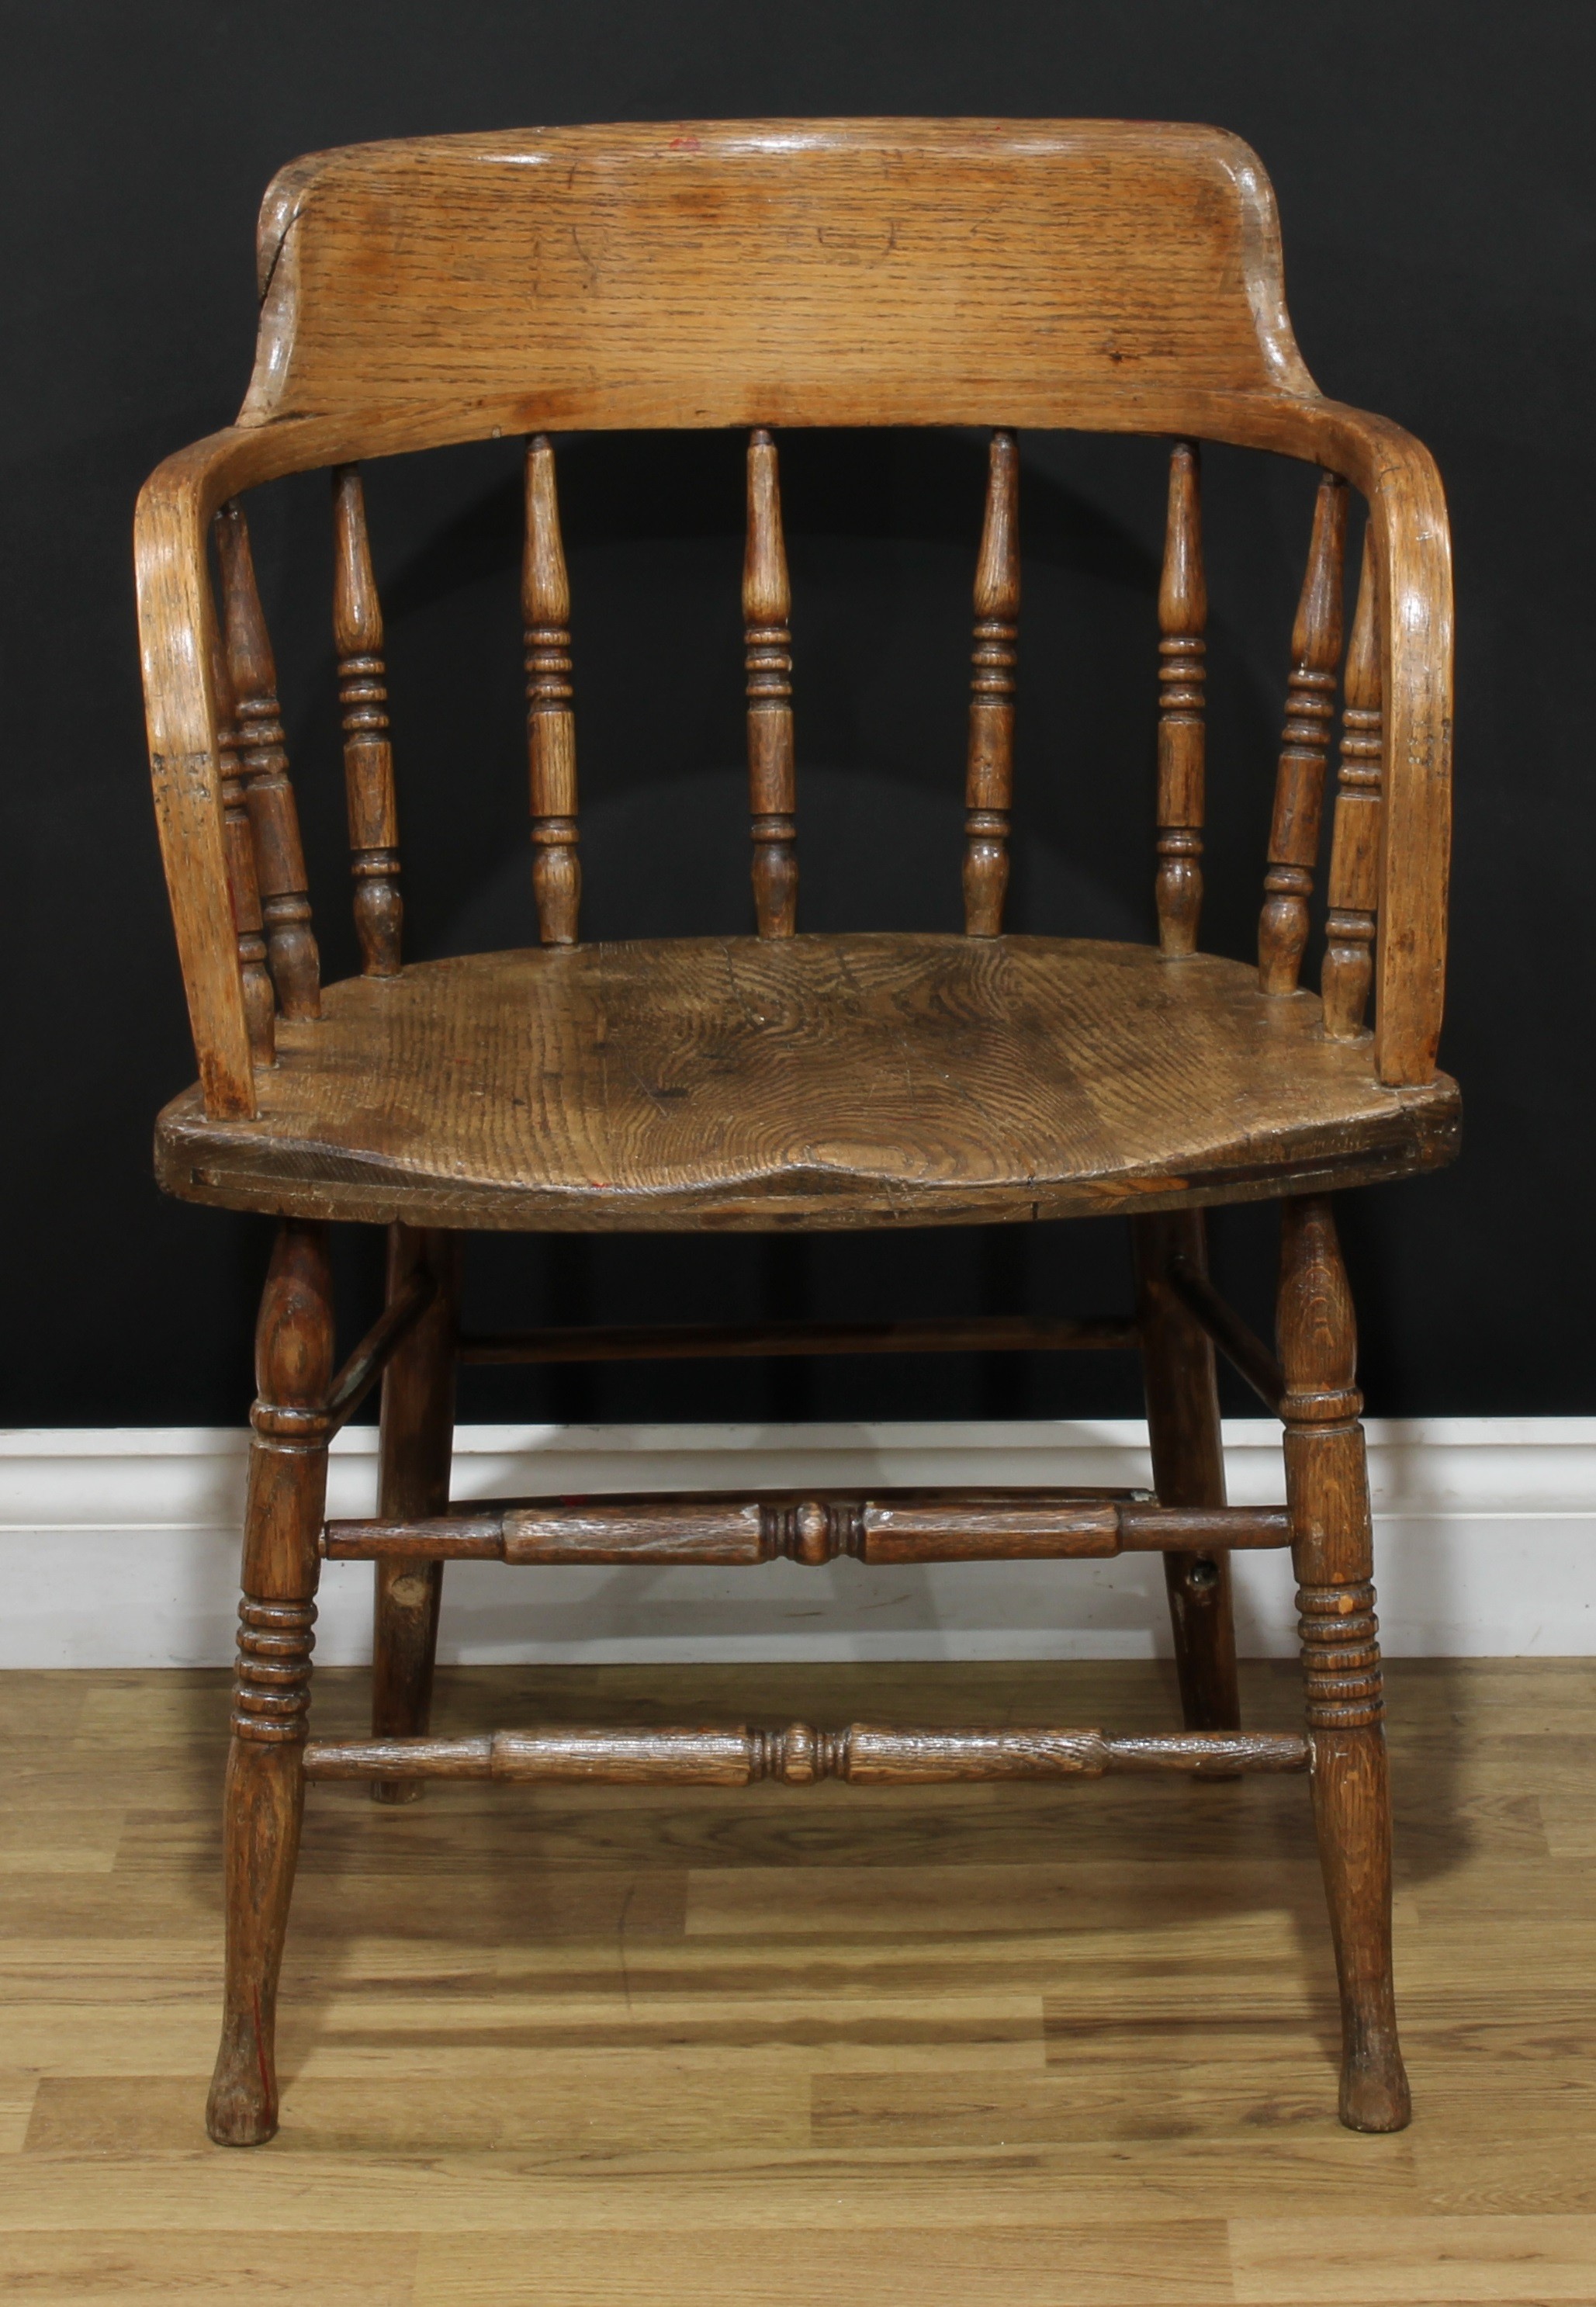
(263, 759)
(1333, 1555)
(1182, 617)
(368, 753)
(944, 1525)
(551, 723)
(838, 1081)
(772, 777)
(244, 887)
(989, 775)
(1305, 745)
(862, 1754)
(1050, 275)
(265, 1789)
(1355, 856)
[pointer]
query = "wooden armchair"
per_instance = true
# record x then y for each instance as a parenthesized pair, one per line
(1102, 276)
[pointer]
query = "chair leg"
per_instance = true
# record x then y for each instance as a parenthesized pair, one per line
(417, 1437)
(265, 1783)
(1331, 1551)
(1188, 1464)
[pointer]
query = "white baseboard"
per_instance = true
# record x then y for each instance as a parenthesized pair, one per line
(120, 1547)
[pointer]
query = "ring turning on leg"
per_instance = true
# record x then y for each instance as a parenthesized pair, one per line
(265, 1782)
(1327, 1489)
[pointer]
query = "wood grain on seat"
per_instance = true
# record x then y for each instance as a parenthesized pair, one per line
(841, 1080)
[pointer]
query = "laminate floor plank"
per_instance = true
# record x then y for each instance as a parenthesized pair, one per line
(55, 1840)
(1065, 1899)
(1063, 2047)
(1335, 2263)
(19, 2088)
(1508, 2174)
(591, 2107)
(1167, 2264)
(241, 2269)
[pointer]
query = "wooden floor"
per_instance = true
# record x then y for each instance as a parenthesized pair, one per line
(954, 2047)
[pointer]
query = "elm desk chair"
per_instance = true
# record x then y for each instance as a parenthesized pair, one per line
(1099, 276)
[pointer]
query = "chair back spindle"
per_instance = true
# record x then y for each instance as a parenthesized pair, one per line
(551, 724)
(1300, 782)
(1182, 618)
(1355, 844)
(268, 796)
(259, 1002)
(989, 778)
(767, 608)
(368, 755)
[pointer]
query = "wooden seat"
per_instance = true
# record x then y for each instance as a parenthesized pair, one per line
(1048, 275)
(839, 1081)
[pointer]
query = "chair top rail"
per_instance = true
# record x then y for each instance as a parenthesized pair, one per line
(774, 272)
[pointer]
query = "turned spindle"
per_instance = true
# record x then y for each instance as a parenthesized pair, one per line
(1355, 845)
(368, 756)
(1182, 616)
(989, 779)
(798, 1755)
(767, 606)
(1305, 745)
(259, 1002)
(268, 797)
(551, 724)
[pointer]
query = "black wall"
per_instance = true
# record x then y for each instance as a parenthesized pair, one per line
(1434, 166)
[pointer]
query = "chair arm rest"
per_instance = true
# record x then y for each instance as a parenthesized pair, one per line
(1412, 549)
(1413, 546)
(176, 625)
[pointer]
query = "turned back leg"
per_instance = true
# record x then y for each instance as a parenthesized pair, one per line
(1188, 1464)
(265, 1783)
(1332, 1550)
(417, 1437)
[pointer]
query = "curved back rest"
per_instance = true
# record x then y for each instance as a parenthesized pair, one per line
(1098, 275)
(777, 273)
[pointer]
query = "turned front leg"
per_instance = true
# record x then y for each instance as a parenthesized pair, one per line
(1332, 1550)
(265, 1782)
